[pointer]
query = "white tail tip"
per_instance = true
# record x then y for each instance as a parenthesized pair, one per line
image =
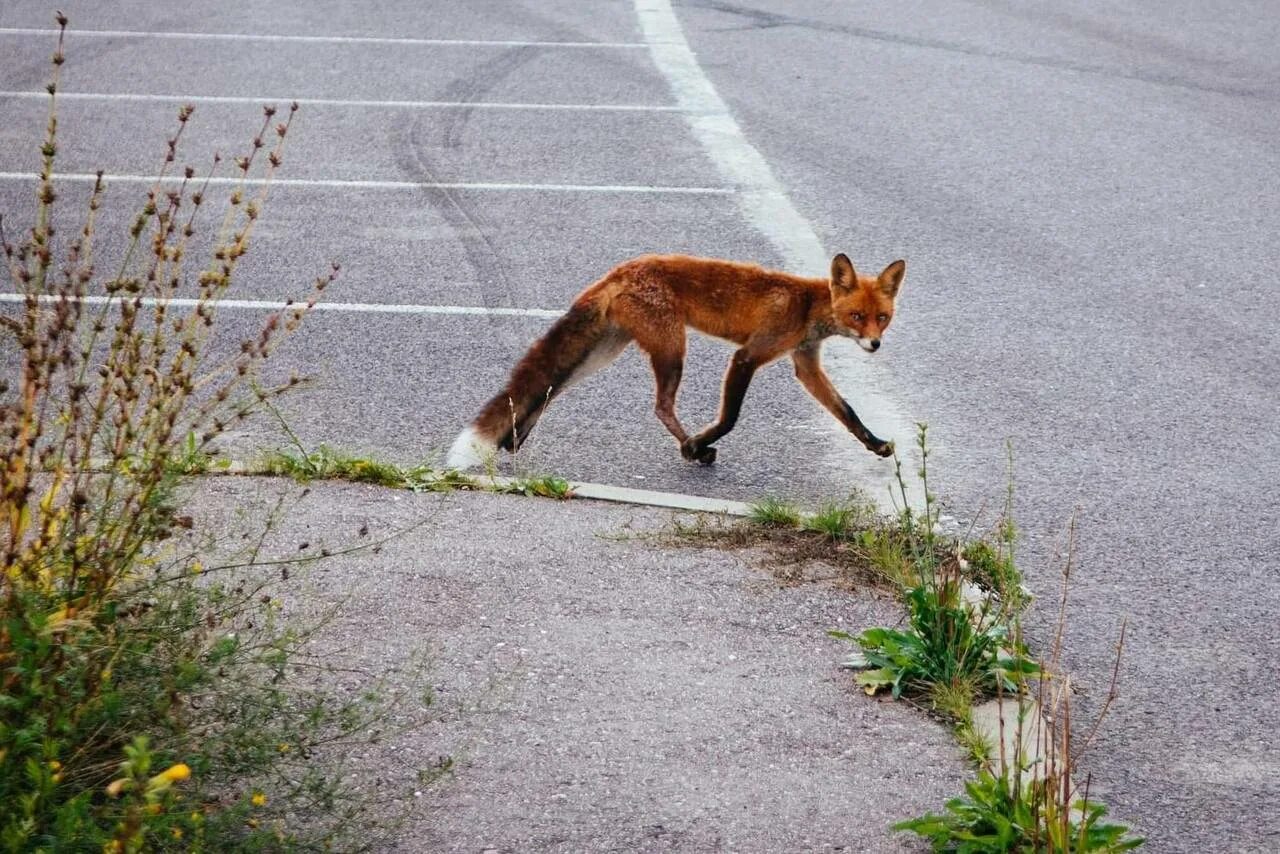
(470, 450)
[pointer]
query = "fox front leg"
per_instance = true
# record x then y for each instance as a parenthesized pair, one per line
(817, 383)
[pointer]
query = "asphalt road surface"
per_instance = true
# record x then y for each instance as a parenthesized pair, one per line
(1086, 195)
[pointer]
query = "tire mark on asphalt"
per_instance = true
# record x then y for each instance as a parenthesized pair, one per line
(1129, 39)
(470, 227)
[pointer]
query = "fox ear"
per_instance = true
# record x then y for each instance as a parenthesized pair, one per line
(891, 279)
(843, 277)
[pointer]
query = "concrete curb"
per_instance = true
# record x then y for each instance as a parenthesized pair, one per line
(651, 498)
(1026, 737)
(593, 491)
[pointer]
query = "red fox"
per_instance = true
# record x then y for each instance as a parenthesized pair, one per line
(650, 300)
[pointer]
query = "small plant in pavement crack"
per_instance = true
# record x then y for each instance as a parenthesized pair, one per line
(955, 643)
(947, 644)
(1026, 797)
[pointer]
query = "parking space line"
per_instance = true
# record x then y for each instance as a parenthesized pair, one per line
(87, 178)
(336, 102)
(279, 305)
(267, 37)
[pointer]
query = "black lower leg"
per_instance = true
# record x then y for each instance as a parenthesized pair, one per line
(868, 439)
(736, 381)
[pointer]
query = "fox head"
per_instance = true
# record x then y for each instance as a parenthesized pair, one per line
(862, 306)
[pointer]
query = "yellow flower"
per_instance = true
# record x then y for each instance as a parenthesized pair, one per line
(177, 833)
(258, 799)
(115, 787)
(282, 747)
(168, 777)
(55, 765)
(174, 773)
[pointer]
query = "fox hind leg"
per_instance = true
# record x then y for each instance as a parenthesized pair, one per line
(667, 372)
(665, 344)
(658, 331)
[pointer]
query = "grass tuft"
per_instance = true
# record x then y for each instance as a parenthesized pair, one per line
(834, 521)
(775, 512)
(953, 699)
(885, 547)
(976, 745)
(324, 463)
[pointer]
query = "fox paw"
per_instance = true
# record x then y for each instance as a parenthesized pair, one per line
(884, 449)
(692, 451)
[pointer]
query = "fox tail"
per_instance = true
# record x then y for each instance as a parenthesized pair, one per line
(577, 345)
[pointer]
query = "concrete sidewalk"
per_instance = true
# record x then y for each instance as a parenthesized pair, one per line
(601, 691)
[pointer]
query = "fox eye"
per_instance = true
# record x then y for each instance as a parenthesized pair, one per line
(882, 318)
(858, 317)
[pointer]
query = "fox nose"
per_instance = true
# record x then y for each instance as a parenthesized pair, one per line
(875, 344)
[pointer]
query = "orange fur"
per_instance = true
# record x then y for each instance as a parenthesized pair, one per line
(651, 300)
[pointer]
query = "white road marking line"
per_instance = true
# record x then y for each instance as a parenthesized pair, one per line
(765, 204)
(279, 305)
(85, 177)
(339, 102)
(267, 37)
